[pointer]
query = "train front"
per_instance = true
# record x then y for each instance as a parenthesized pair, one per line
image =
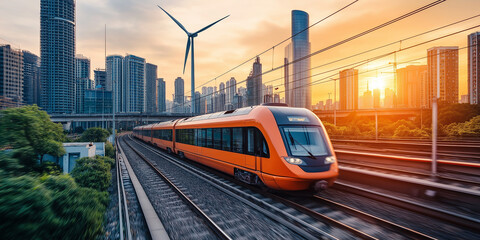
(307, 159)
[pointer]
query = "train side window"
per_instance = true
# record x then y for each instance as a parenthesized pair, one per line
(227, 139)
(261, 147)
(237, 137)
(250, 141)
(217, 138)
(208, 138)
(195, 137)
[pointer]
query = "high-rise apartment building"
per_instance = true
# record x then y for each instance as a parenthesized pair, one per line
(115, 80)
(82, 80)
(254, 84)
(57, 53)
(179, 98)
(134, 82)
(161, 98)
(11, 77)
(100, 78)
(31, 78)
(349, 89)
(474, 68)
(443, 74)
(151, 87)
(410, 86)
(298, 90)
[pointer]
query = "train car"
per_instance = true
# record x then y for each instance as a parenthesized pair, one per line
(144, 133)
(278, 147)
(162, 135)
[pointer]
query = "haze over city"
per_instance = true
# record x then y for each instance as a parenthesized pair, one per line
(142, 29)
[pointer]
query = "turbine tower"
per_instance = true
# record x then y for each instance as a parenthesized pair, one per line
(191, 37)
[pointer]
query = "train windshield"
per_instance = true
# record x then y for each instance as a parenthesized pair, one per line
(305, 141)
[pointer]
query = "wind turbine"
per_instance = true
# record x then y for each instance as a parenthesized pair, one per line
(191, 37)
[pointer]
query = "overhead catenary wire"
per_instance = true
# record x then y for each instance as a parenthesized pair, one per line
(411, 13)
(366, 61)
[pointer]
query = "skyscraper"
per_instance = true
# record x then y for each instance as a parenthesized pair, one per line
(474, 68)
(82, 80)
(151, 87)
(11, 77)
(31, 78)
(179, 98)
(254, 84)
(57, 53)
(162, 107)
(115, 78)
(134, 83)
(100, 77)
(349, 89)
(410, 81)
(298, 90)
(443, 70)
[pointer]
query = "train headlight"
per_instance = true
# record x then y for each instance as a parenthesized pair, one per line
(330, 159)
(293, 160)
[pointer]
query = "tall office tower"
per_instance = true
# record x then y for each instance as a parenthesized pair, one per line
(443, 70)
(82, 80)
(179, 98)
(97, 101)
(31, 78)
(367, 99)
(162, 95)
(231, 90)
(151, 87)
(298, 90)
(389, 96)
(376, 98)
(349, 89)
(100, 77)
(474, 68)
(11, 77)
(221, 98)
(115, 79)
(254, 84)
(134, 82)
(57, 53)
(410, 82)
(209, 99)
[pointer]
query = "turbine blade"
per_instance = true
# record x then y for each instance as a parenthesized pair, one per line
(205, 28)
(186, 55)
(175, 20)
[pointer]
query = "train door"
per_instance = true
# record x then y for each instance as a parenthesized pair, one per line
(250, 158)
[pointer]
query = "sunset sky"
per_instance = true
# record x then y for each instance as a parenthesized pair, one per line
(138, 27)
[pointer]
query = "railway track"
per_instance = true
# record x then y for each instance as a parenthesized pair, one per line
(123, 216)
(360, 225)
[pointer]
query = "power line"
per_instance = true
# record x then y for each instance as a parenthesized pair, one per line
(281, 42)
(411, 13)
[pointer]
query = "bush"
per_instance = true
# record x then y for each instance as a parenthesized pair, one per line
(51, 207)
(95, 135)
(109, 150)
(110, 161)
(469, 128)
(92, 173)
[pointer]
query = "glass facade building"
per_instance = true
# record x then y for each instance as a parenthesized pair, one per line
(115, 78)
(57, 53)
(151, 87)
(298, 91)
(31, 78)
(134, 83)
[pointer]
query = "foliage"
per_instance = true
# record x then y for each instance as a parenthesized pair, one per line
(95, 135)
(469, 128)
(49, 168)
(108, 160)
(92, 173)
(51, 207)
(30, 132)
(109, 150)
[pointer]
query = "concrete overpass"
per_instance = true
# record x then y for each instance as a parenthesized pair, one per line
(122, 120)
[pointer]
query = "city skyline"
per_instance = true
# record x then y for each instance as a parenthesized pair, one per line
(267, 26)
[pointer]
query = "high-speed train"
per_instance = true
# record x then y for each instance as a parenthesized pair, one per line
(272, 145)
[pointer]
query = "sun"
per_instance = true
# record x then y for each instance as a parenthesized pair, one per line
(377, 83)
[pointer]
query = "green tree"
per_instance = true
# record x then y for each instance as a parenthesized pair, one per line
(109, 150)
(50, 207)
(95, 135)
(29, 131)
(92, 173)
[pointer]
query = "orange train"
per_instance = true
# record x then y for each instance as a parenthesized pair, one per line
(275, 146)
